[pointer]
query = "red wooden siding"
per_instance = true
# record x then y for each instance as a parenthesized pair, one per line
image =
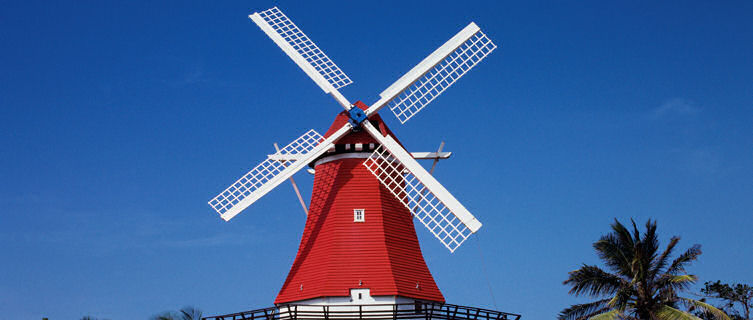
(336, 253)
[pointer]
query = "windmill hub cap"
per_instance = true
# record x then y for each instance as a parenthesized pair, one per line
(356, 117)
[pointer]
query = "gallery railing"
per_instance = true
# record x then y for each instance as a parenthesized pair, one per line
(417, 311)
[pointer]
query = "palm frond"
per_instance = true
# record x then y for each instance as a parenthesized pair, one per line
(640, 265)
(616, 249)
(685, 279)
(165, 316)
(584, 311)
(619, 229)
(668, 313)
(190, 313)
(636, 233)
(621, 299)
(645, 248)
(609, 250)
(649, 247)
(651, 239)
(676, 283)
(678, 265)
(593, 281)
(643, 253)
(663, 259)
(692, 303)
(610, 315)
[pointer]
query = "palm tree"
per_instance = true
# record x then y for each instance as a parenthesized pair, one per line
(642, 284)
(167, 315)
(187, 313)
(190, 313)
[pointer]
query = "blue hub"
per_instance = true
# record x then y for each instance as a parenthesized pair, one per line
(356, 116)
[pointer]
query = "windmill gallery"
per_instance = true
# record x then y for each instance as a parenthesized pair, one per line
(359, 257)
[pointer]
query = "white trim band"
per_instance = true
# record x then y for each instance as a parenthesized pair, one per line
(340, 156)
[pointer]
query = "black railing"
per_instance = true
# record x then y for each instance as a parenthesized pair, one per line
(417, 311)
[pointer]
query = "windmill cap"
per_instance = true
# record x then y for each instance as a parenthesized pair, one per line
(358, 137)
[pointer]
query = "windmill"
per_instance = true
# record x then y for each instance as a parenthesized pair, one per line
(359, 245)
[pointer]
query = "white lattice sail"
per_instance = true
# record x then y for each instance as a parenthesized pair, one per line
(300, 48)
(264, 177)
(424, 205)
(437, 72)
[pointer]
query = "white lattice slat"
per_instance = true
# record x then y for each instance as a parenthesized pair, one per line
(442, 76)
(433, 75)
(262, 178)
(300, 48)
(415, 196)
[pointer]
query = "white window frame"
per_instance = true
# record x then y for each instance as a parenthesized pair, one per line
(359, 215)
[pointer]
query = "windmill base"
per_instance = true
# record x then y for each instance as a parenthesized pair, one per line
(416, 310)
(358, 296)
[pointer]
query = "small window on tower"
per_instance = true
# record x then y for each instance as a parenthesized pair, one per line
(358, 215)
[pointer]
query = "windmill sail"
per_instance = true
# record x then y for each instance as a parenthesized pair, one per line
(265, 176)
(445, 217)
(437, 72)
(425, 206)
(299, 47)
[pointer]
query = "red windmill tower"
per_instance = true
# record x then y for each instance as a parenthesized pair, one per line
(362, 250)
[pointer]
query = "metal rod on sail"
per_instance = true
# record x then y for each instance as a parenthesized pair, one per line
(295, 187)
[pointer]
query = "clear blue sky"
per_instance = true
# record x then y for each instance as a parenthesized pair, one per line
(120, 120)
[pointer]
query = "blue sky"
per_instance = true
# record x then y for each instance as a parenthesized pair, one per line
(120, 120)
